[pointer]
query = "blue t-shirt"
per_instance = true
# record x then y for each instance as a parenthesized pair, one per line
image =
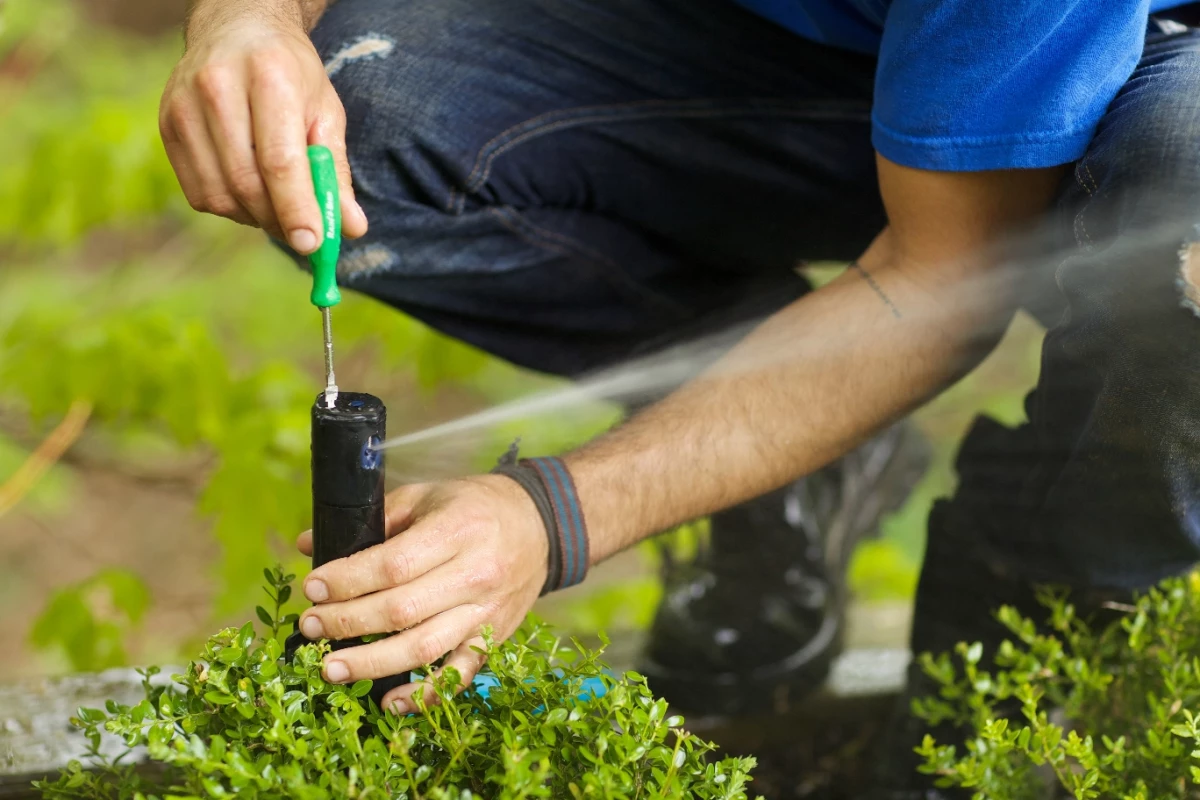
(982, 84)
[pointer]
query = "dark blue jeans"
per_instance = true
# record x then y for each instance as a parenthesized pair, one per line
(566, 182)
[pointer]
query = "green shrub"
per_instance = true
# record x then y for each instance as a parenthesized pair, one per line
(243, 721)
(88, 639)
(1107, 710)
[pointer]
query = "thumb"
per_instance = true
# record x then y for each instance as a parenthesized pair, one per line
(400, 507)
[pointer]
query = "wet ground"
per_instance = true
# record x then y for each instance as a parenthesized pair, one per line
(830, 764)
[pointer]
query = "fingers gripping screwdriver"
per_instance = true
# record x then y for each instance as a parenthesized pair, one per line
(325, 294)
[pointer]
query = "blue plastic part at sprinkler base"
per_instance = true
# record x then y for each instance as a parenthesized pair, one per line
(591, 689)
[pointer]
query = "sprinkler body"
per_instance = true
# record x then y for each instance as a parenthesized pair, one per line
(347, 491)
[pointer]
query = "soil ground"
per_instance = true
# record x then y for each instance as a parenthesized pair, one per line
(833, 763)
(140, 16)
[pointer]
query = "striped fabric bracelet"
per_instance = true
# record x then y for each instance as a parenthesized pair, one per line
(549, 484)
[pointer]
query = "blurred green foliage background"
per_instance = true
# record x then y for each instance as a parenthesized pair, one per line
(193, 341)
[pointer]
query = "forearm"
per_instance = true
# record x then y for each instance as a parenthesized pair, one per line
(804, 388)
(204, 16)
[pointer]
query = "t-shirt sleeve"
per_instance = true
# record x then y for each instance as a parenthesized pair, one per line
(969, 85)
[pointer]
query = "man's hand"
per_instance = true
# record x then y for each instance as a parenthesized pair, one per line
(239, 111)
(460, 555)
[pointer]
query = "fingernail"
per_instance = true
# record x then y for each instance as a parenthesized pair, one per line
(316, 590)
(312, 628)
(303, 240)
(399, 707)
(336, 672)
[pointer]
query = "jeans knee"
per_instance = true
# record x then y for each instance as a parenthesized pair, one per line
(357, 44)
(1147, 144)
(400, 74)
(391, 68)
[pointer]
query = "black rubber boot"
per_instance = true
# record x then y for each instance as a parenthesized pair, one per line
(754, 623)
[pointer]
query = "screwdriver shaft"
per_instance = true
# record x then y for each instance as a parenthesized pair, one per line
(331, 389)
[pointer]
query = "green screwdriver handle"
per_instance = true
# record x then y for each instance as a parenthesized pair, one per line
(324, 260)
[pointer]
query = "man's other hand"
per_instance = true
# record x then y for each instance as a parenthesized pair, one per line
(237, 116)
(460, 555)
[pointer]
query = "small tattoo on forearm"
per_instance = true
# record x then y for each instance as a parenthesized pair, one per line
(875, 287)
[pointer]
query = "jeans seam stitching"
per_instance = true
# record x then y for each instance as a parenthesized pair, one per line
(1091, 178)
(566, 245)
(643, 110)
(1080, 225)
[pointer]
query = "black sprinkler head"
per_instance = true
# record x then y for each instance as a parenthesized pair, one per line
(347, 492)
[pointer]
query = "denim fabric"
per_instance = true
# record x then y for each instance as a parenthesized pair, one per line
(561, 183)
(565, 182)
(1101, 487)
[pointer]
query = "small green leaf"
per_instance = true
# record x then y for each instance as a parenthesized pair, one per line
(264, 616)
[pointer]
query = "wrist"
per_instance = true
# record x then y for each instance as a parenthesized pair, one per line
(527, 519)
(550, 489)
(205, 17)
